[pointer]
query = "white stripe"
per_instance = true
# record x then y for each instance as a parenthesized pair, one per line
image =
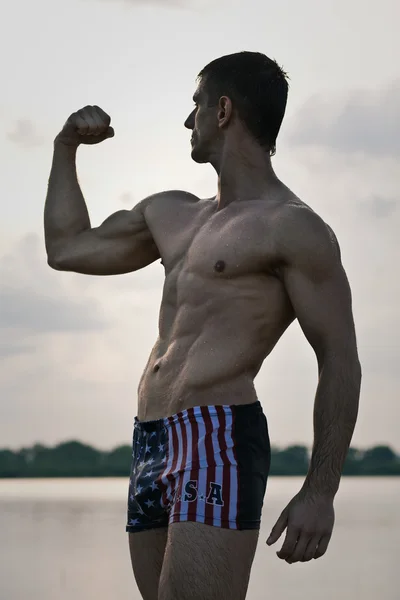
(189, 452)
(202, 473)
(228, 438)
(218, 470)
(201, 441)
(168, 466)
(180, 445)
(202, 491)
(219, 481)
(178, 466)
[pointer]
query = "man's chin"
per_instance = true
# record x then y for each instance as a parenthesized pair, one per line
(198, 157)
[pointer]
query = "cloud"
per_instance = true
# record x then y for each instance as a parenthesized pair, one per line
(33, 300)
(379, 207)
(37, 312)
(364, 121)
(14, 348)
(24, 134)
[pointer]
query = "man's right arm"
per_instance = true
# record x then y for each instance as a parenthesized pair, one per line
(122, 244)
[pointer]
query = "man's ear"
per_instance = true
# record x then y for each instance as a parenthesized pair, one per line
(225, 111)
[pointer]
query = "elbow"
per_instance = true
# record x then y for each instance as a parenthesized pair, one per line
(345, 360)
(54, 262)
(53, 254)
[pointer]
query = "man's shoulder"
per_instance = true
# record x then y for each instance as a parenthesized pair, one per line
(160, 199)
(293, 216)
(300, 231)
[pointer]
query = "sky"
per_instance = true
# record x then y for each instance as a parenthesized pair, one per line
(72, 347)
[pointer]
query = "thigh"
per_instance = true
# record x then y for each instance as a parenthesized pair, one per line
(147, 553)
(202, 562)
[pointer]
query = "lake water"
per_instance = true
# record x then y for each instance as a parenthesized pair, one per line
(65, 539)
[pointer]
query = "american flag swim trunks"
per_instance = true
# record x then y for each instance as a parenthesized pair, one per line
(207, 464)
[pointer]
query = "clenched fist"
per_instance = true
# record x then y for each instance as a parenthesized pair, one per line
(90, 125)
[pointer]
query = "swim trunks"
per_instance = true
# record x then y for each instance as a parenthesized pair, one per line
(207, 464)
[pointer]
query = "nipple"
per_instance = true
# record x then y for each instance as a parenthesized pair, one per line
(219, 266)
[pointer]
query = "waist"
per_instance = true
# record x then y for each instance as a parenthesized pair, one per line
(209, 415)
(162, 398)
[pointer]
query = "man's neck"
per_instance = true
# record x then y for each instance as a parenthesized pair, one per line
(244, 174)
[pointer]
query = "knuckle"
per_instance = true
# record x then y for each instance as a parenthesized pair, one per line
(102, 113)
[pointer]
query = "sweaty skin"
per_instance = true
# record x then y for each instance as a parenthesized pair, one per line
(223, 307)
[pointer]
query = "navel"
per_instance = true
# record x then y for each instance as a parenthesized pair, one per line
(219, 266)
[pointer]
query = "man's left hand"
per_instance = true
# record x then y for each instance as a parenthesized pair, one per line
(309, 519)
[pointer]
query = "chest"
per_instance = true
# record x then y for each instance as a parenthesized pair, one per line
(223, 244)
(226, 248)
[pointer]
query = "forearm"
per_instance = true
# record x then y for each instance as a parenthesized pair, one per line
(65, 212)
(335, 416)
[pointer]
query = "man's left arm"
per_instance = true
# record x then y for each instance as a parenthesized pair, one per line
(320, 295)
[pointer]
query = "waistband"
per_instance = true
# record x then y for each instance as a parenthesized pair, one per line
(192, 414)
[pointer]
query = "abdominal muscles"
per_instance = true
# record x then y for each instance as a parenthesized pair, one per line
(213, 338)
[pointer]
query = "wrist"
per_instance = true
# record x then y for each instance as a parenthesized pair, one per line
(61, 144)
(320, 488)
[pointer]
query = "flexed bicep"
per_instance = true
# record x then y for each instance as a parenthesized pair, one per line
(122, 244)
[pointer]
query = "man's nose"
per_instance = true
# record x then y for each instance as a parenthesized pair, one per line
(189, 123)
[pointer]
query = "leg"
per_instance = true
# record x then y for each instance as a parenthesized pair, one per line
(147, 553)
(207, 563)
(147, 518)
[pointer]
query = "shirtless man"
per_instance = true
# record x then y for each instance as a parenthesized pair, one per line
(239, 268)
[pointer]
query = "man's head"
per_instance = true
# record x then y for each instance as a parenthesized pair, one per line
(244, 89)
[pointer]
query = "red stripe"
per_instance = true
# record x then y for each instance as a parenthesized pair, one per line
(181, 472)
(192, 506)
(209, 513)
(226, 469)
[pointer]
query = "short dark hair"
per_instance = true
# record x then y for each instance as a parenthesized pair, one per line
(258, 88)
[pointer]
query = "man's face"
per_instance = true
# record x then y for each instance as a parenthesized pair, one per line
(203, 124)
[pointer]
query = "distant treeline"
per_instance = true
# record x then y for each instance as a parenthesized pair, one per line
(74, 459)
